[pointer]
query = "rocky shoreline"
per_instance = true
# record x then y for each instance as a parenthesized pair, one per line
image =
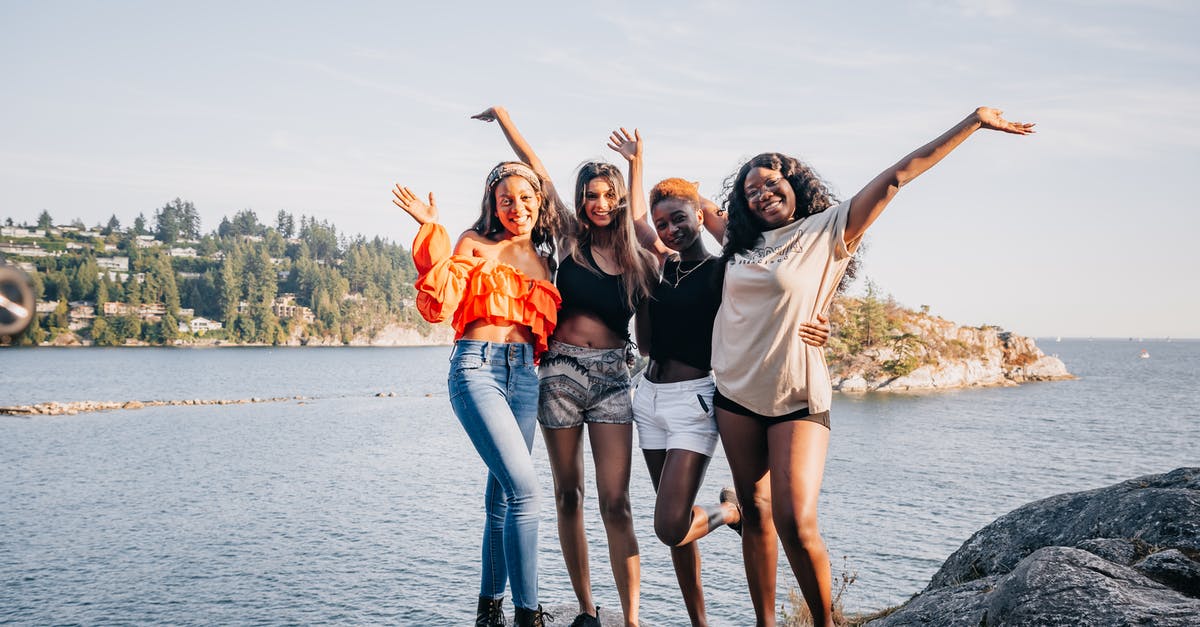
(79, 407)
(1126, 554)
(391, 335)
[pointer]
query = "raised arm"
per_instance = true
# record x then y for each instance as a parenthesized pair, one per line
(630, 147)
(715, 220)
(522, 149)
(870, 201)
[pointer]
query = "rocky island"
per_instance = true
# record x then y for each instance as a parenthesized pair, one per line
(878, 345)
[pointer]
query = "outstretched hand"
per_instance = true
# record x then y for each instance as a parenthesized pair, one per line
(629, 146)
(488, 115)
(815, 333)
(991, 119)
(413, 206)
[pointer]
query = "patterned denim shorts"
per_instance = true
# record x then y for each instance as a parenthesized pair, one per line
(578, 385)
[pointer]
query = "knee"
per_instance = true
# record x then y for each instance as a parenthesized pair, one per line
(756, 511)
(670, 526)
(799, 526)
(525, 500)
(568, 499)
(518, 495)
(671, 530)
(615, 510)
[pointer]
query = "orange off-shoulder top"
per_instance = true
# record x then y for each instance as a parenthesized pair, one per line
(473, 288)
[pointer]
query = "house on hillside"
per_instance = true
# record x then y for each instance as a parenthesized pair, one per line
(116, 268)
(18, 231)
(199, 325)
(80, 315)
(285, 307)
(120, 264)
(27, 250)
(146, 311)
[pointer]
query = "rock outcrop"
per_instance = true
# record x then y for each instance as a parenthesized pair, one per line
(925, 352)
(389, 335)
(80, 407)
(1122, 555)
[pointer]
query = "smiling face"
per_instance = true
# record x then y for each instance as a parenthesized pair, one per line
(677, 222)
(769, 197)
(600, 202)
(517, 205)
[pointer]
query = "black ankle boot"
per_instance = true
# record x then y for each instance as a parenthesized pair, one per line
(531, 618)
(490, 613)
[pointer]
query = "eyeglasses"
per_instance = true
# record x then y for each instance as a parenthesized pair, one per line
(755, 193)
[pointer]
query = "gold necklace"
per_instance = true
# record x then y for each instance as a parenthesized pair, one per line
(680, 275)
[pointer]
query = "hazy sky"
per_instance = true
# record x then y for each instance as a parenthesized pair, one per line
(1085, 229)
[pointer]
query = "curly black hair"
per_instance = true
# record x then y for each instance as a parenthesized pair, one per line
(812, 197)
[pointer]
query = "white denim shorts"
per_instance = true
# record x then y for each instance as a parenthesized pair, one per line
(676, 415)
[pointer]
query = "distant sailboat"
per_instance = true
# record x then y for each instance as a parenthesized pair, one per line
(1145, 354)
(1058, 339)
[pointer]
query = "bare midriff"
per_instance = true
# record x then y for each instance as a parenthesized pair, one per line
(671, 371)
(500, 333)
(580, 328)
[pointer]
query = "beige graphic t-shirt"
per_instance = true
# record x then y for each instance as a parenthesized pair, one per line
(790, 275)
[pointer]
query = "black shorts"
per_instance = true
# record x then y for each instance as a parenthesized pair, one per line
(722, 402)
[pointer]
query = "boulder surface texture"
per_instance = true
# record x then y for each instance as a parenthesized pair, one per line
(1127, 554)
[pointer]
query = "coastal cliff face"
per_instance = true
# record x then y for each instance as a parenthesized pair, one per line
(1121, 555)
(389, 335)
(918, 351)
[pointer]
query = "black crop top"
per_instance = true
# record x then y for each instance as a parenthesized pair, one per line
(601, 295)
(681, 318)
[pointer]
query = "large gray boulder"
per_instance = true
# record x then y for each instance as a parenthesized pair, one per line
(1122, 555)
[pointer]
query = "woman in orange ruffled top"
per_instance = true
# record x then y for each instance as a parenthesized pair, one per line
(496, 288)
(585, 379)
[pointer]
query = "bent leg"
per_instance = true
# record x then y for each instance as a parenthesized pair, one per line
(745, 443)
(612, 450)
(678, 523)
(797, 460)
(677, 520)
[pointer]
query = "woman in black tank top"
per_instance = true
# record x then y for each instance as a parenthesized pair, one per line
(584, 377)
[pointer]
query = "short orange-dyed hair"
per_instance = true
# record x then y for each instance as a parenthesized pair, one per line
(675, 188)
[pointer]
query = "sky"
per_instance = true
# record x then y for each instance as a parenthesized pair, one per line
(1084, 229)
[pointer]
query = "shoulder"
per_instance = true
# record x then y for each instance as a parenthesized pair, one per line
(470, 242)
(829, 216)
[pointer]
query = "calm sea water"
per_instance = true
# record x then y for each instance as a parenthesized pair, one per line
(349, 508)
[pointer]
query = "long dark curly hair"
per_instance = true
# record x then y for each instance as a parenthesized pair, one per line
(812, 197)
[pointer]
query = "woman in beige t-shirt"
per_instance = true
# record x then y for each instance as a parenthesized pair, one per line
(787, 245)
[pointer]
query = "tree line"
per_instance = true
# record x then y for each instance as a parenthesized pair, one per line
(353, 285)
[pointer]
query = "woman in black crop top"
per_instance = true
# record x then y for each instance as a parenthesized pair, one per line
(584, 377)
(673, 403)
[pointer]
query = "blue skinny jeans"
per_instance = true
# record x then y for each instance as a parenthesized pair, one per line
(494, 393)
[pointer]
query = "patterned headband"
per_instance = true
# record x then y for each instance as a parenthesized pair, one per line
(513, 169)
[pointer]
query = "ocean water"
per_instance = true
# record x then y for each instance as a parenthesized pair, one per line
(349, 508)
